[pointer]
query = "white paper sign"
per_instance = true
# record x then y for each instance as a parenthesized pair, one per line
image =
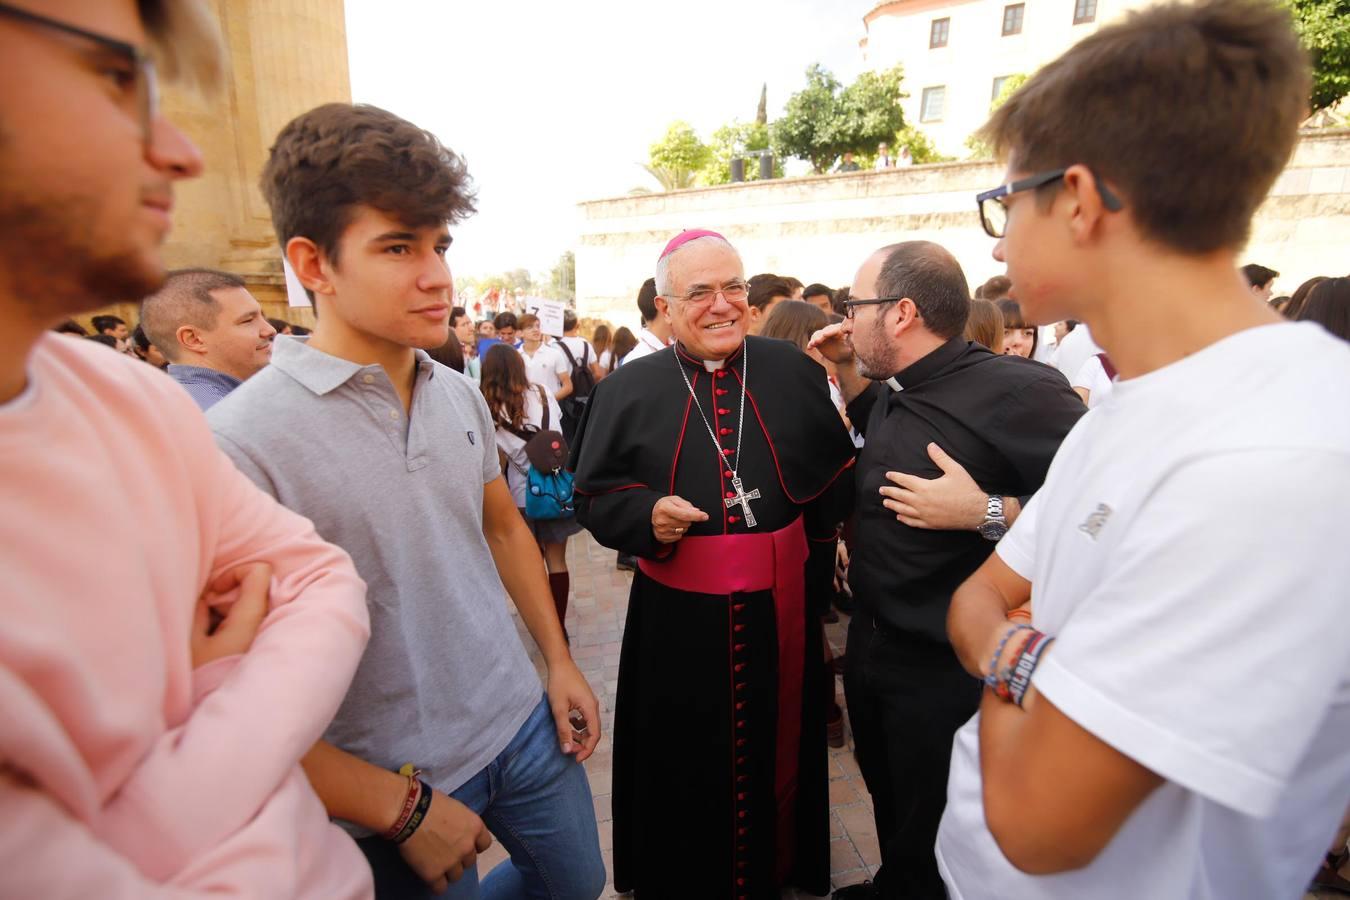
(295, 291)
(550, 313)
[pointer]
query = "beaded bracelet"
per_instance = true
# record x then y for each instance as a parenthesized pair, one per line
(419, 814)
(992, 678)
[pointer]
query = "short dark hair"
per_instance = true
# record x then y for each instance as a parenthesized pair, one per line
(299, 330)
(70, 326)
(106, 323)
(815, 290)
(794, 283)
(106, 340)
(840, 297)
(646, 301)
(505, 319)
(279, 324)
(1147, 86)
(1328, 304)
(457, 313)
(339, 156)
(766, 288)
(450, 354)
(1259, 276)
(995, 288)
(184, 299)
(930, 276)
(570, 320)
(140, 339)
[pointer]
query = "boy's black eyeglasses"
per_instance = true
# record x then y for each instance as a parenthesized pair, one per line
(141, 69)
(994, 212)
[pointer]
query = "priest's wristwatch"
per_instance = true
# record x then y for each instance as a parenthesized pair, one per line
(994, 525)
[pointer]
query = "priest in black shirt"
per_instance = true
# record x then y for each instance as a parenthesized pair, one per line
(723, 465)
(955, 435)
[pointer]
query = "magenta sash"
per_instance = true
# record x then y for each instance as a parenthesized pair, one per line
(741, 563)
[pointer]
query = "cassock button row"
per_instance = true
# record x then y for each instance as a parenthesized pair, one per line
(721, 373)
(740, 705)
(740, 723)
(739, 666)
(724, 431)
(742, 814)
(731, 494)
(727, 452)
(723, 411)
(729, 475)
(739, 647)
(738, 628)
(737, 607)
(733, 519)
(740, 742)
(721, 391)
(740, 760)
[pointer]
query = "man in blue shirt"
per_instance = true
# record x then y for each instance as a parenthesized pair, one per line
(212, 331)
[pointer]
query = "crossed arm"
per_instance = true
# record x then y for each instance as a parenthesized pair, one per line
(1054, 794)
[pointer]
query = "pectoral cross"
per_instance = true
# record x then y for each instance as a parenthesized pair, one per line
(742, 499)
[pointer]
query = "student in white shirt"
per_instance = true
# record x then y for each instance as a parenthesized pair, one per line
(1185, 694)
(654, 335)
(545, 366)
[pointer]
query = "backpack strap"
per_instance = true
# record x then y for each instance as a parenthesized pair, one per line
(1108, 366)
(543, 398)
(568, 350)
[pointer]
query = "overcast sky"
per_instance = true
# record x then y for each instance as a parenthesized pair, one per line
(554, 103)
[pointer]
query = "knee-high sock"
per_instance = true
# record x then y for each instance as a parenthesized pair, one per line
(560, 583)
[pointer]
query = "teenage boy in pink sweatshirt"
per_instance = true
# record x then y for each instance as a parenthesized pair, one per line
(150, 739)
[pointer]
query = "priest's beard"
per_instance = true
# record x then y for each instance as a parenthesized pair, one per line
(872, 354)
(53, 262)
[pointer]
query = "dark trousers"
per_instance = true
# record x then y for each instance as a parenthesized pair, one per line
(906, 700)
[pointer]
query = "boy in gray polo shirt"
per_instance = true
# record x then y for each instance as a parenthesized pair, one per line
(393, 458)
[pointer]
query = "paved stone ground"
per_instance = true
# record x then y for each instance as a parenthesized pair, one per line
(595, 619)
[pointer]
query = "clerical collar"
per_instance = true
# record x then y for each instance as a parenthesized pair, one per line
(707, 365)
(921, 370)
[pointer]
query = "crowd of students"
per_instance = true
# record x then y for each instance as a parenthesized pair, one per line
(284, 664)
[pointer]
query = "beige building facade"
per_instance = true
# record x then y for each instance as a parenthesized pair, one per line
(282, 59)
(956, 53)
(821, 228)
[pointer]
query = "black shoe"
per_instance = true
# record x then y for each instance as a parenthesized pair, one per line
(844, 603)
(626, 563)
(864, 891)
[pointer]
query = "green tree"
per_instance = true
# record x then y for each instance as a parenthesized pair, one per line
(675, 160)
(562, 279)
(921, 149)
(733, 141)
(1324, 28)
(978, 148)
(825, 119)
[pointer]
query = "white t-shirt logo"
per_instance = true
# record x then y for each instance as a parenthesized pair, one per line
(1095, 522)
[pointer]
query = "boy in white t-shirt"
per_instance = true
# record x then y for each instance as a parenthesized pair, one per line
(1175, 722)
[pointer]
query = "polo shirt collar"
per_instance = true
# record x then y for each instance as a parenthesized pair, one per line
(922, 370)
(321, 372)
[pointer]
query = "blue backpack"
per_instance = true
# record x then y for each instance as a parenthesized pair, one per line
(548, 486)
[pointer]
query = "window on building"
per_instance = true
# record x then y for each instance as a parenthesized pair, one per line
(934, 104)
(1012, 18)
(937, 34)
(999, 82)
(1084, 11)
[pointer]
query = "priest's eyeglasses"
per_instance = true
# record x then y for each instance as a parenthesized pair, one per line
(734, 292)
(850, 304)
(993, 203)
(135, 77)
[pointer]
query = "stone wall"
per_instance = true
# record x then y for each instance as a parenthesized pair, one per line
(282, 60)
(820, 228)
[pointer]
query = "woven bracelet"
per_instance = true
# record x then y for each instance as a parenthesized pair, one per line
(419, 814)
(1027, 661)
(992, 678)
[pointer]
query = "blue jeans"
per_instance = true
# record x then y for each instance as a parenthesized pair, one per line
(537, 802)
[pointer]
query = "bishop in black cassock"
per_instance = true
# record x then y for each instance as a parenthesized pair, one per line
(720, 783)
